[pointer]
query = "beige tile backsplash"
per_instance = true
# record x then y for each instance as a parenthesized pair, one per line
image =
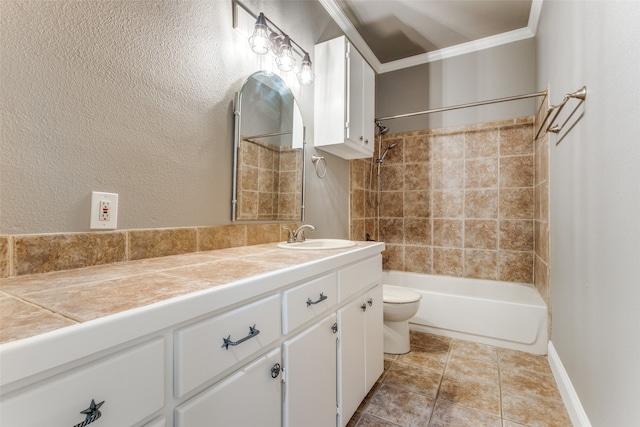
(458, 202)
(42, 253)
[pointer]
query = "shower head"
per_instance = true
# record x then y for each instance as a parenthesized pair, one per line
(382, 130)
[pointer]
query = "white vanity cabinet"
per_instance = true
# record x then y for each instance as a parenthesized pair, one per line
(344, 98)
(261, 352)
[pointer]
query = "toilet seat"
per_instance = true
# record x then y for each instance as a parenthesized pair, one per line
(398, 295)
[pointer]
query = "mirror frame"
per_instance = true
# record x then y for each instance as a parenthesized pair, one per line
(237, 120)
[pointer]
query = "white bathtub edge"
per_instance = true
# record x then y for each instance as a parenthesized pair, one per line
(501, 314)
(539, 347)
(569, 396)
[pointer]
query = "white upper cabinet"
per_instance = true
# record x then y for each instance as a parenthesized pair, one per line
(344, 96)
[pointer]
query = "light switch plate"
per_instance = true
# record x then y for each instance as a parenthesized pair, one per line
(96, 222)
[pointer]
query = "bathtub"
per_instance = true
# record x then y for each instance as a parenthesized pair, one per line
(503, 314)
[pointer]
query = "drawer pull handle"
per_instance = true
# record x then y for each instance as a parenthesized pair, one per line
(92, 413)
(322, 298)
(252, 333)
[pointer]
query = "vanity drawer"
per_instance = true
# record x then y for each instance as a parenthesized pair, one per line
(200, 351)
(306, 301)
(357, 277)
(123, 389)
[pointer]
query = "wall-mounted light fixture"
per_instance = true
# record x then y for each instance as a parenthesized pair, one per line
(268, 37)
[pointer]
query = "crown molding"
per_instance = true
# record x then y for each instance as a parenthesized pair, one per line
(461, 49)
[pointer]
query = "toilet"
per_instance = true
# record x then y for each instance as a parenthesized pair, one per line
(399, 305)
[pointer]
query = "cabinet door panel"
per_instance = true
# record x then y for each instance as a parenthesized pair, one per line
(351, 353)
(374, 340)
(310, 368)
(368, 105)
(356, 98)
(249, 398)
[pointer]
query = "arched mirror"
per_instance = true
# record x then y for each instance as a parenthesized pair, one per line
(268, 160)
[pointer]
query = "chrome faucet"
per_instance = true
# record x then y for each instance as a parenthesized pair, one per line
(297, 235)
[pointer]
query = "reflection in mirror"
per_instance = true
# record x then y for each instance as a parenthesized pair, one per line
(268, 181)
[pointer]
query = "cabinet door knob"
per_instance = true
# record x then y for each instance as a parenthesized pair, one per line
(363, 307)
(370, 302)
(275, 370)
(334, 328)
(361, 138)
(366, 141)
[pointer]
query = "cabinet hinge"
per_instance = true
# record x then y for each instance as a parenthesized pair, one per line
(283, 372)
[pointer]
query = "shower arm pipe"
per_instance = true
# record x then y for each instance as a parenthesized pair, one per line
(472, 104)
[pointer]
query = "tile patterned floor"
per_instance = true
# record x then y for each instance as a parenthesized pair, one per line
(445, 382)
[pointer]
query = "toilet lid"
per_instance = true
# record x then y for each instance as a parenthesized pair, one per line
(398, 295)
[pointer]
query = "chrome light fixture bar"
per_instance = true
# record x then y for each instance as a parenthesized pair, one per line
(268, 37)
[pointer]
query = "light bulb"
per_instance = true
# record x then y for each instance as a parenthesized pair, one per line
(285, 60)
(305, 75)
(259, 40)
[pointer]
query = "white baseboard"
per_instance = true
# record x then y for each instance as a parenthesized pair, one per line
(569, 396)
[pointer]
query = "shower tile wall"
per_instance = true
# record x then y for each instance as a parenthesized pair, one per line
(456, 202)
(269, 182)
(541, 208)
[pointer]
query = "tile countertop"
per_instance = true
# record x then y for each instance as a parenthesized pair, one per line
(35, 304)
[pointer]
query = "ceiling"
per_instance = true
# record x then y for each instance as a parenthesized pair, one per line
(395, 34)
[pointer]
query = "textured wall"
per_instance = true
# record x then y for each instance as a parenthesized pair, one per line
(135, 97)
(498, 72)
(595, 202)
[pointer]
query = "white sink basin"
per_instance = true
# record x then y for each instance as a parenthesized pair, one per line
(318, 244)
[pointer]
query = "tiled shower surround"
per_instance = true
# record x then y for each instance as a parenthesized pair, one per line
(269, 182)
(541, 210)
(455, 202)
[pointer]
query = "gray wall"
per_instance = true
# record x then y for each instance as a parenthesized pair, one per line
(136, 98)
(595, 203)
(498, 72)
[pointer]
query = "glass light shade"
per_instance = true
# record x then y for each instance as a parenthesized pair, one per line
(259, 40)
(285, 60)
(305, 75)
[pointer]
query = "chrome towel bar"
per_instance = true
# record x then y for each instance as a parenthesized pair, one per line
(552, 126)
